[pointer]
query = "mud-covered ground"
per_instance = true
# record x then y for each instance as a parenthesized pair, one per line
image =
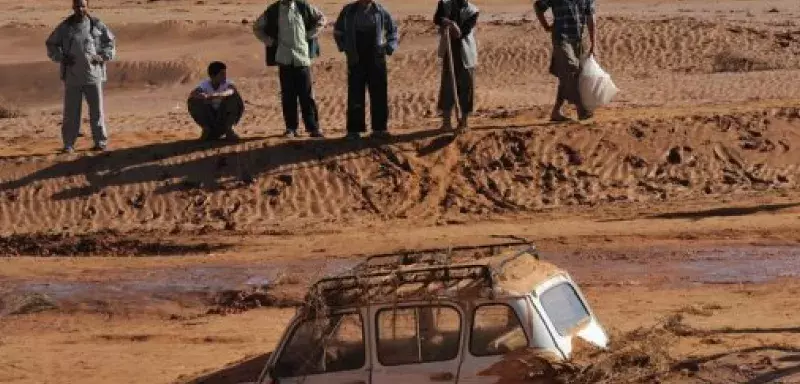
(165, 260)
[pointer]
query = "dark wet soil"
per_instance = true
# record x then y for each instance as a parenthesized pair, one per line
(223, 289)
(103, 243)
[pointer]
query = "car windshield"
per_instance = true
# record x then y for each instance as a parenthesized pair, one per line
(564, 307)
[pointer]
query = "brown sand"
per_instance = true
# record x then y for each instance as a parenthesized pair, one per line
(681, 197)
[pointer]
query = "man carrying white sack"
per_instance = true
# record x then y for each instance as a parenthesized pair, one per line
(82, 44)
(569, 19)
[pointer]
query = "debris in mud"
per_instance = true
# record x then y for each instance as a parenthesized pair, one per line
(94, 244)
(639, 356)
(10, 113)
(240, 300)
(26, 303)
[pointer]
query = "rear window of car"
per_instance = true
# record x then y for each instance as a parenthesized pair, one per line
(414, 335)
(564, 308)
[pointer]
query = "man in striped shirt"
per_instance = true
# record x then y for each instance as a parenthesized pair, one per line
(569, 19)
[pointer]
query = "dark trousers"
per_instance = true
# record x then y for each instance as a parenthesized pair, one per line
(368, 74)
(217, 122)
(465, 84)
(296, 84)
(565, 65)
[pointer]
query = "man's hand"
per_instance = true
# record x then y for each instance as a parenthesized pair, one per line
(97, 59)
(455, 31)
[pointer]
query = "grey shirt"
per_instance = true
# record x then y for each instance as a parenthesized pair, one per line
(81, 42)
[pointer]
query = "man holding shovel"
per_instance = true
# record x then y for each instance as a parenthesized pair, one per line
(456, 20)
(569, 19)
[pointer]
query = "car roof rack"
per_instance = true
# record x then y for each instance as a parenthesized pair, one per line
(412, 274)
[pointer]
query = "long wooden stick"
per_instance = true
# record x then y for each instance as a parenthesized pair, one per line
(452, 72)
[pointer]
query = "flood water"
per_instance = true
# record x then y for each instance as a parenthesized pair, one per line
(652, 266)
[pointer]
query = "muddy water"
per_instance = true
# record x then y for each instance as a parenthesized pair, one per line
(196, 286)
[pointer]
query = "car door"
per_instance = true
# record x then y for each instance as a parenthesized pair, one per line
(417, 343)
(495, 329)
(325, 350)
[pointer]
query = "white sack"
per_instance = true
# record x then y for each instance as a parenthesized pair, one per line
(595, 85)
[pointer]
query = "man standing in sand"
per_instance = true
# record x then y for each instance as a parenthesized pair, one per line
(366, 33)
(289, 29)
(569, 19)
(459, 18)
(82, 44)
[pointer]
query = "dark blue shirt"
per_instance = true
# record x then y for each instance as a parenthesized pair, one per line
(569, 16)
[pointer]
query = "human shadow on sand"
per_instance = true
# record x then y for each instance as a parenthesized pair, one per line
(209, 166)
(115, 160)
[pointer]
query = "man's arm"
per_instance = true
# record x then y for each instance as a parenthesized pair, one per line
(198, 94)
(259, 28)
(391, 34)
(541, 6)
(108, 48)
(53, 43)
(438, 17)
(319, 25)
(591, 23)
(338, 29)
(468, 25)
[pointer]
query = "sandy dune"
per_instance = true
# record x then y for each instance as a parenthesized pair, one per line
(679, 198)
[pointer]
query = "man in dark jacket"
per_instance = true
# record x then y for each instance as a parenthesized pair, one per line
(366, 33)
(289, 29)
(82, 44)
(569, 19)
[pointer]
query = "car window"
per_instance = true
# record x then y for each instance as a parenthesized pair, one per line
(564, 307)
(323, 345)
(418, 335)
(496, 330)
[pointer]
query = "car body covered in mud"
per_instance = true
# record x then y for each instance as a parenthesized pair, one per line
(421, 318)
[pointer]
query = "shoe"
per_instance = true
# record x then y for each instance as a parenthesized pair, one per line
(353, 136)
(462, 126)
(290, 134)
(316, 134)
(381, 134)
(585, 116)
(232, 137)
(558, 118)
(447, 125)
(205, 136)
(99, 147)
(67, 150)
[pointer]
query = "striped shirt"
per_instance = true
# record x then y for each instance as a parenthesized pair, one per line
(569, 16)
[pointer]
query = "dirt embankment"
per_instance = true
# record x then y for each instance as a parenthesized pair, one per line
(429, 176)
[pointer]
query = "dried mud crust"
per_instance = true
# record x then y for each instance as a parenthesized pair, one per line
(423, 175)
(107, 243)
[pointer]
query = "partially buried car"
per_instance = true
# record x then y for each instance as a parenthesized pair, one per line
(422, 318)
